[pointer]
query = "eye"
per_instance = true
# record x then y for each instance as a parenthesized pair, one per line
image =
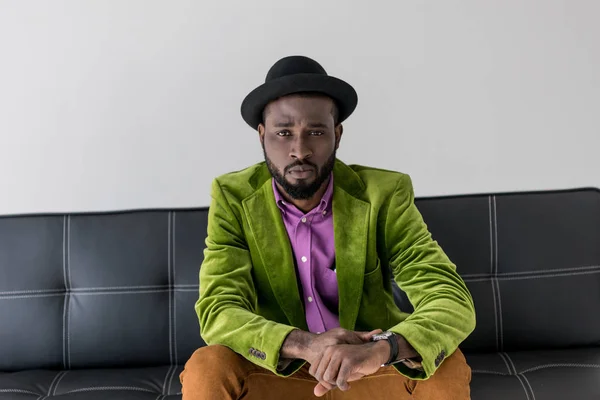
(316, 133)
(283, 133)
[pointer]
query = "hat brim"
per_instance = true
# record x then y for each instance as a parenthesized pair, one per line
(341, 92)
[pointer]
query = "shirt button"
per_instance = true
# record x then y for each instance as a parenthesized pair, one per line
(303, 219)
(324, 212)
(303, 259)
(309, 299)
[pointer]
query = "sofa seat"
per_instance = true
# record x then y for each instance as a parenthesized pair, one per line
(153, 383)
(526, 375)
(541, 374)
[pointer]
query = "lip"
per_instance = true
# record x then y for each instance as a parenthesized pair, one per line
(301, 169)
(301, 172)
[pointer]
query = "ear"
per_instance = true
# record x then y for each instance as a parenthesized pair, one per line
(261, 134)
(339, 130)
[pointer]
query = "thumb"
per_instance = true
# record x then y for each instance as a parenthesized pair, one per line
(320, 390)
(366, 336)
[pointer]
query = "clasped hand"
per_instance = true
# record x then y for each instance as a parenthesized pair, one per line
(339, 356)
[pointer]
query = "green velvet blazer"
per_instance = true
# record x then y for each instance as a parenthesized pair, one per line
(249, 298)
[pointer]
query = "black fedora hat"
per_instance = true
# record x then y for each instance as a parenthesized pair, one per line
(298, 74)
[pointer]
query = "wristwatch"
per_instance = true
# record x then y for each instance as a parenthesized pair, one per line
(392, 339)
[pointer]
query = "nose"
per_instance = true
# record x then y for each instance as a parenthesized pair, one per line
(300, 149)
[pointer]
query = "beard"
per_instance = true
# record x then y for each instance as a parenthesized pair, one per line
(301, 190)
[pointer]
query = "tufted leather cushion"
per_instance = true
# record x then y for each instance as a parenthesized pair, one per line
(99, 290)
(531, 262)
(536, 374)
(101, 305)
(150, 383)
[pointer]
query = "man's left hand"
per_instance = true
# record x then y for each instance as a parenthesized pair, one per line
(344, 363)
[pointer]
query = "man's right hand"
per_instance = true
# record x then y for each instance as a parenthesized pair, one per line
(311, 346)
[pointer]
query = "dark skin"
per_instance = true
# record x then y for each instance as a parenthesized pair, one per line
(300, 128)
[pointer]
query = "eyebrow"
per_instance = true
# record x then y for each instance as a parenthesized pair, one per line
(283, 124)
(289, 124)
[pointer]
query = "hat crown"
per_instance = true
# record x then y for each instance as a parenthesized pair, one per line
(293, 65)
(297, 74)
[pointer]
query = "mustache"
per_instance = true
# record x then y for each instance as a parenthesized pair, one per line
(299, 164)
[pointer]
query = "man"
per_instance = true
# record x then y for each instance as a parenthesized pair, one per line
(295, 289)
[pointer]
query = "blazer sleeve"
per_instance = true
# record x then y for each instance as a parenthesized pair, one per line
(226, 307)
(444, 313)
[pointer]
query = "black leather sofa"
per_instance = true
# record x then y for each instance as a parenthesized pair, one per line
(100, 306)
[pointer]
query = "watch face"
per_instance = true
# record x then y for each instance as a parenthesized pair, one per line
(383, 335)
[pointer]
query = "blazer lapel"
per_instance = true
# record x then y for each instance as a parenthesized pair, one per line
(275, 251)
(351, 227)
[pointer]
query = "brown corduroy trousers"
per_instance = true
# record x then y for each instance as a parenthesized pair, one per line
(217, 373)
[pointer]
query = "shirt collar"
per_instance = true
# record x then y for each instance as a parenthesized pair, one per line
(324, 204)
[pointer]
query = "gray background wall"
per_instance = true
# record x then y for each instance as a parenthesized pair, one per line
(115, 104)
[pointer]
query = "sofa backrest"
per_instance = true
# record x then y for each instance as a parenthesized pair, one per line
(118, 289)
(99, 290)
(531, 262)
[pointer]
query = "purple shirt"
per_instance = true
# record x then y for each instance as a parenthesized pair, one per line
(311, 237)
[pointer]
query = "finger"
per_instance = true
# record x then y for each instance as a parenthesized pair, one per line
(323, 387)
(314, 362)
(313, 366)
(320, 390)
(367, 336)
(330, 375)
(345, 370)
(320, 369)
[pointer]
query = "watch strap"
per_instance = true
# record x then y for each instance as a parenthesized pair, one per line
(393, 342)
(413, 363)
